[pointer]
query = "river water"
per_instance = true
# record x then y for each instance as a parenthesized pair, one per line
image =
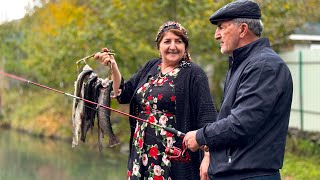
(25, 157)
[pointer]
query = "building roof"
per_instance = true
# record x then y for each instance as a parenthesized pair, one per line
(308, 31)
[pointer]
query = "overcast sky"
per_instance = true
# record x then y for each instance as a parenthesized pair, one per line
(12, 9)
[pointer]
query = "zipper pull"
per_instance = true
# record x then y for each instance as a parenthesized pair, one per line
(229, 161)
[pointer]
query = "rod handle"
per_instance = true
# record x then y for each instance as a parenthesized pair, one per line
(174, 131)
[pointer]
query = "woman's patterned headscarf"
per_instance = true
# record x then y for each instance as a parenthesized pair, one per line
(170, 25)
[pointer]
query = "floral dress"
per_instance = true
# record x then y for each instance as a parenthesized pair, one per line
(157, 100)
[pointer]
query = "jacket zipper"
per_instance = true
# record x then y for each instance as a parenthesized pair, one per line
(229, 160)
(229, 157)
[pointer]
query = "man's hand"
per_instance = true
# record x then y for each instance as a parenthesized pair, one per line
(190, 141)
(204, 166)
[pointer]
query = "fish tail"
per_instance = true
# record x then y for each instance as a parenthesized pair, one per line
(100, 137)
(113, 141)
(75, 138)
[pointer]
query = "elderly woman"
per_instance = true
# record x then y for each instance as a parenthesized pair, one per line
(170, 91)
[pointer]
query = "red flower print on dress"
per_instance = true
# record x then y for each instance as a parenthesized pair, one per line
(129, 173)
(153, 152)
(158, 178)
(149, 97)
(152, 119)
(169, 134)
(147, 109)
(143, 88)
(161, 81)
(173, 98)
(160, 96)
(141, 143)
(135, 135)
(168, 114)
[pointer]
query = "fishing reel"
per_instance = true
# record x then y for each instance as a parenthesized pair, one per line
(177, 154)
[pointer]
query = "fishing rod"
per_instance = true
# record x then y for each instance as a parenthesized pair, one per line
(174, 153)
(171, 130)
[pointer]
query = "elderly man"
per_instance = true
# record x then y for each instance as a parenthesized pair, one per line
(247, 141)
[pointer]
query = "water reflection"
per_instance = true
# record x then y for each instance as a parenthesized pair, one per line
(25, 157)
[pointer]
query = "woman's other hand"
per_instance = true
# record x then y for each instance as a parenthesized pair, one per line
(105, 57)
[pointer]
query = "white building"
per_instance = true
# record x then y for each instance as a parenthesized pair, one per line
(304, 64)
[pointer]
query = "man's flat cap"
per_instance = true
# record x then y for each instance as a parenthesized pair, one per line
(237, 9)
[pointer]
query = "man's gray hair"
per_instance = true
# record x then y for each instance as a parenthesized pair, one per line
(255, 25)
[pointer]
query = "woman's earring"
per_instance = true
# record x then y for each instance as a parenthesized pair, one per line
(185, 56)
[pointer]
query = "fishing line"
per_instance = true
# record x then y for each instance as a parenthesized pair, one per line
(171, 130)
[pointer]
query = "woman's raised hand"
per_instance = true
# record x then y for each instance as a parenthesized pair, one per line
(106, 58)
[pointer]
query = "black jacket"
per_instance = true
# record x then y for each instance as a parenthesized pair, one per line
(194, 108)
(250, 133)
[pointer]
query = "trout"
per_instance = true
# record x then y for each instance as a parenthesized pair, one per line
(89, 110)
(78, 120)
(103, 115)
(77, 107)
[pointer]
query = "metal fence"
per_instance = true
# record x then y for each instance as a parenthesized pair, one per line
(305, 68)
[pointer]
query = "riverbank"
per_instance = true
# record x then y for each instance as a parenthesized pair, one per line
(27, 157)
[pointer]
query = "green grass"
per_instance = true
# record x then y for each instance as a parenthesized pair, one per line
(300, 168)
(302, 160)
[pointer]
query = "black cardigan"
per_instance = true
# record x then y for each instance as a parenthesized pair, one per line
(194, 107)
